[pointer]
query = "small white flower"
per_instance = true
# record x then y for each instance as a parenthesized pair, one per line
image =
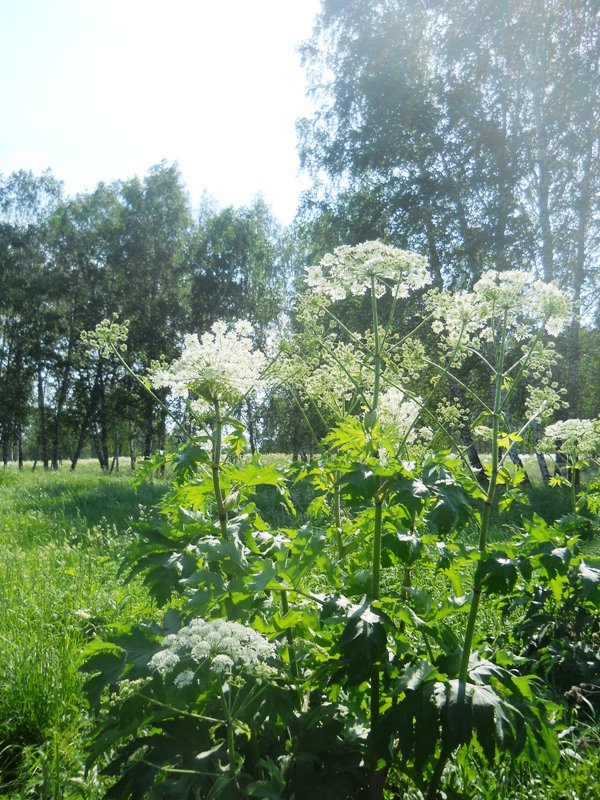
(398, 413)
(221, 644)
(578, 439)
(221, 663)
(164, 661)
(184, 678)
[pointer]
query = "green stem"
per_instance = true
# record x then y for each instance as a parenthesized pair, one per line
(437, 774)
(231, 749)
(572, 483)
(377, 534)
(227, 705)
(216, 467)
(376, 345)
(376, 572)
(303, 413)
(337, 512)
(487, 513)
(285, 607)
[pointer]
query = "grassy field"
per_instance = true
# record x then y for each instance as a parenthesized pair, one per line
(62, 540)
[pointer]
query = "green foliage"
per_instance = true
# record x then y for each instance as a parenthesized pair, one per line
(370, 617)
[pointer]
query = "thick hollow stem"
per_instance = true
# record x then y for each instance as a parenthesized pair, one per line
(437, 774)
(486, 515)
(376, 565)
(376, 346)
(337, 513)
(216, 467)
(285, 607)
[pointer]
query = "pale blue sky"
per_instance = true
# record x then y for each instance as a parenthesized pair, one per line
(103, 89)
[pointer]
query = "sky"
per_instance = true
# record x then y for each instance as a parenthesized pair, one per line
(100, 90)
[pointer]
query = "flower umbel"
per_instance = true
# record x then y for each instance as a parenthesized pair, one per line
(220, 366)
(351, 270)
(578, 439)
(513, 298)
(222, 645)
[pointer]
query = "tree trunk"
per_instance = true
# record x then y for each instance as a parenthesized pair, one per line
(132, 454)
(87, 416)
(114, 466)
(541, 459)
(102, 430)
(43, 440)
(149, 427)
(584, 209)
(60, 404)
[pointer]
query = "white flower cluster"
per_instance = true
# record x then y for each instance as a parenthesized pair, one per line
(397, 412)
(350, 270)
(525, 302)
(220, 366)
(222, 644)
(579, 439)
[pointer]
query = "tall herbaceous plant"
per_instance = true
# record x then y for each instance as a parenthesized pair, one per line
(343, 655)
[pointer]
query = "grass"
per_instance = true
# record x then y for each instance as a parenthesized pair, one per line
(62, 536)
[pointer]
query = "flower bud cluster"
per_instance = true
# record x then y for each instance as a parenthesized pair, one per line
(108, 336)
(351, 270)
(222, 645)
(220, 366)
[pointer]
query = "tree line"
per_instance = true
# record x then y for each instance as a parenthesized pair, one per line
(466, 130)
(132, 248)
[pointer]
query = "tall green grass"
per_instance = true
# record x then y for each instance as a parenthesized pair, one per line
(62, 538)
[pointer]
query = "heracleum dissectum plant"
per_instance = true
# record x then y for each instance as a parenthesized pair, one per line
(501, 322)
(370, 681)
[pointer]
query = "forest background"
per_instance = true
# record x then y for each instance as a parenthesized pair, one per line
(466, 131)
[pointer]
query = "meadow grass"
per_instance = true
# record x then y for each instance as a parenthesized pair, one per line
(62, 538)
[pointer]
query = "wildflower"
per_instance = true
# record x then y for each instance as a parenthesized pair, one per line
(164, 661)
(399, 413)
(352, 271)
(184, 678)
(221, 366)
(578, 439)
(219, 644)
(512, 298)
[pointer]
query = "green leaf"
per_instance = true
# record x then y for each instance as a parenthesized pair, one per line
(359, 483)
(484, 703)
(590, 583)
(106, 659)
(406, 547)
(452, 509)
(254, 475)
(498, 574)
(416, 674)
(186, 462)
(362, 643)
